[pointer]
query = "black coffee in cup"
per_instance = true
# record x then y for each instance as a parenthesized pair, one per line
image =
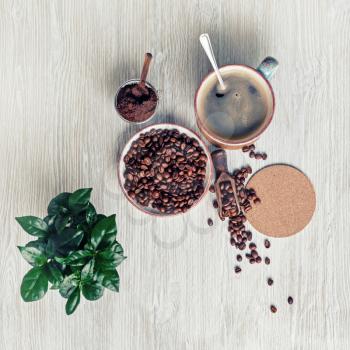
(241, 111)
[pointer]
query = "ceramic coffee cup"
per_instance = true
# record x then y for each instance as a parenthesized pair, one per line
(260, 76)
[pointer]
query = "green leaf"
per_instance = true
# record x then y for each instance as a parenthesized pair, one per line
(73, 301)
(61, 222)
(104, 232)
(33, 255)
(91, 215)
(34, 284)
(50, 221)
(39, 244)
(99, 217)
(77, 258)
(92, 290)
(79, 199)
(54, 274)
(87, 272)
(69, 284)
(67, 241)
(59, 204)
(108, 259)
(117, 248)
(109, 279)
(33, 225)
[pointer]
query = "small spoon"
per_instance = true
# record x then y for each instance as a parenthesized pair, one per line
(205, 41)
(140, 89)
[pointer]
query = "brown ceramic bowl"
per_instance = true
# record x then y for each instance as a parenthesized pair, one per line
(237, 143)
(188, 132)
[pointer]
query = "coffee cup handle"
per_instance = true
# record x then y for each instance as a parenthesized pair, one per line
(268, 67)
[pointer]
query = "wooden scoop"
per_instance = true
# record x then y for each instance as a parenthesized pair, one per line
(140, 89)
(223, 179)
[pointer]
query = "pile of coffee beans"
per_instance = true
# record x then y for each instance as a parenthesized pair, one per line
(253, 153)
(229, 205)
(239, 235)
(165, 169)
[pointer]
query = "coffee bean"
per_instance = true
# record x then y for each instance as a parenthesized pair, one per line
(215, 204)
(290, 300)
(270, 281)
(252, 246)
(258, 259)
(238, 269)
(252, 147)
(245, 149)
(252, 261)
(252, 154)
(257, 201)
(273, 309)
(239, 257)
(254, 254)
(267, 260)
(212, 189)
(267, 243)
(210, 222)
(242, 246)
(264, 156)
(249, 169)
(258, 156)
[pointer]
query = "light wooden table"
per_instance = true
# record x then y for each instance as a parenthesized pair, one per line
(60, 65)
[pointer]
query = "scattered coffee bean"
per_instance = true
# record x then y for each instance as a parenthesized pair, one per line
(212, 189)
(252, 147)
(270, 281)
(215, 204)
(239, 257)
(258, 156)
(258, 259)
(254, 254)
(257, 201)
(273, 309)
(252, 246)
(245, 149)
(267, 261)
(252, 154)
(210, 222)
(252, 261)
(290, 300)
(267, 243)
(238, 269)
(264, 156)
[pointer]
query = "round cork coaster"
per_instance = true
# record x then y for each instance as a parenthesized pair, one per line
(288, 201)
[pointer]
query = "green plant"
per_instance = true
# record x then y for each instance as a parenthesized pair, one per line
(75, 251)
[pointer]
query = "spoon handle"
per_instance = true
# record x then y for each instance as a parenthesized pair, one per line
(146, 63)
(205, 41)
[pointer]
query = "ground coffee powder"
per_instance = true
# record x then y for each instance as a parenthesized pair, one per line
(136, 103)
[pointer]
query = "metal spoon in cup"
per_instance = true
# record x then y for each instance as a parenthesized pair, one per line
(206, 44)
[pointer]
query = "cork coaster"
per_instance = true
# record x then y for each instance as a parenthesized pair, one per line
(288, 201)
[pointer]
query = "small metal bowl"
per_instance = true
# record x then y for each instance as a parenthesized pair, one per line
(130, 82)
(189, 133)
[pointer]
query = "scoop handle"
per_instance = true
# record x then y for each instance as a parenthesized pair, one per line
(219, 161)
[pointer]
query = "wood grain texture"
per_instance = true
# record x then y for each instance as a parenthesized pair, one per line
(61, 62)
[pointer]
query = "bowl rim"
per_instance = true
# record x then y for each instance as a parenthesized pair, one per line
(164, 126)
